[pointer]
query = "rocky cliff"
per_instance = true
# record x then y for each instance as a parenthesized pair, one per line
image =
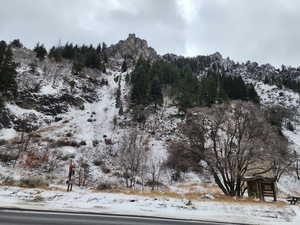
(132, 49)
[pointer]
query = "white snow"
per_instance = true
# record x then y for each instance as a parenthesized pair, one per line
(7, 134)
(115, 203)
(97, 119)
(272, 95)
(48, 90)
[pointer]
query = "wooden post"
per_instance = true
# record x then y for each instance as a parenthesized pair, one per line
(258, 190)
(262, 191)
(274, 191)
(297, 168)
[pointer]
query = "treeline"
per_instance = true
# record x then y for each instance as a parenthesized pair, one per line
(284, 77)
(288, 78)
(196, 64)
(189, 90)
(83, 56)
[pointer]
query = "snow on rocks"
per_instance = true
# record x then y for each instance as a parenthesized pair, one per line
(7, 134)
(272, 95)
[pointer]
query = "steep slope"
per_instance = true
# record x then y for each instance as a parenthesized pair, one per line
(75, 116)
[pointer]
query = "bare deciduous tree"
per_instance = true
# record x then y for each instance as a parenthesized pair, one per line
(234, 140)
(83, 172)
(53, 156)
(132, 153)
(155, 167)
(22, 145)
(180, 159)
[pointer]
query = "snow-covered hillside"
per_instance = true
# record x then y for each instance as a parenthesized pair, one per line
(75, 117)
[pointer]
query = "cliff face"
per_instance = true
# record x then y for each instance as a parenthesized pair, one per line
(132, 49)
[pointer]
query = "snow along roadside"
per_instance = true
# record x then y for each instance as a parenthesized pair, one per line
(82, 200)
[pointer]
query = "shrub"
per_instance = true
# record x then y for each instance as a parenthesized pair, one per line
(77, 68)
(3, 142)
(33, 182)
(98, 162)
(290, 126)
(95, 143)
(106, 185)
(38, 198)
(82, 143)
(105, 169)
(67, 157)
(9, 181)
(7, 158)
(63, 143)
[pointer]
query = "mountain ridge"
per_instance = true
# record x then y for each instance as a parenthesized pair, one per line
(77, 115)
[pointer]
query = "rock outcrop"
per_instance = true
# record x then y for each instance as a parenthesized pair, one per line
(132, 49)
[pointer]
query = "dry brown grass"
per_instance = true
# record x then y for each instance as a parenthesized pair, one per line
(60, 189)
(152, 194)
(248, 201)
(188, 185)
(193, 196)
(212, 189)
(43, 187)
(50, 128)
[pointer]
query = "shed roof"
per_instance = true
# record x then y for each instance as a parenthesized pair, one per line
(259, 178)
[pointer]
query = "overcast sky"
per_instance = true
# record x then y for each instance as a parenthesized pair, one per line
(266, 31)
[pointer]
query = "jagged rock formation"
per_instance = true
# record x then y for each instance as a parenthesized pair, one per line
(132, 49)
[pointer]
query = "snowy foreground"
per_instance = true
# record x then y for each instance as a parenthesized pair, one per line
(83, 200)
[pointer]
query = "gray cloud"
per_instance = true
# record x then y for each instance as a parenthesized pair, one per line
(259, 30)
(93, 21)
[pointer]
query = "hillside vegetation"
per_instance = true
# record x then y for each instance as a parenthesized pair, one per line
(130, 118)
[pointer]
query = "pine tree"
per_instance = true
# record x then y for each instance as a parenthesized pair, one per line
(104, 54)
(8, 85)
(187, 90)
(252, 94)
(68, 51)
(121, 112)
(118, 94)
(92, 60)
(56, 54)
(99, 49)
(16, 43)
(124, 66)
(156, 93)
(40, 51)
(140, 80)
(77, 67)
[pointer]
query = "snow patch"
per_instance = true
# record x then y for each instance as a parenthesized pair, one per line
(7, 134)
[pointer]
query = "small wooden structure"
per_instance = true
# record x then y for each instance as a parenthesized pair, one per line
(261, 187)
(293, 200)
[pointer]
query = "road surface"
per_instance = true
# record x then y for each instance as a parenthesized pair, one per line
(15, 217)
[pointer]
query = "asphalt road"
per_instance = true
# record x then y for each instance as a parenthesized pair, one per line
(15, 217)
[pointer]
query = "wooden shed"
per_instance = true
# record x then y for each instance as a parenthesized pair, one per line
(261, 187)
